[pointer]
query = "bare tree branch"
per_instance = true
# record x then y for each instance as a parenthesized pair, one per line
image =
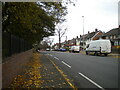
(61, 30)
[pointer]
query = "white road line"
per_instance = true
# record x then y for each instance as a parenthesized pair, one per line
(56, 58)
(66, 64)
(91, 81)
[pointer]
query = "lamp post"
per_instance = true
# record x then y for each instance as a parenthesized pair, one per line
(83, 31)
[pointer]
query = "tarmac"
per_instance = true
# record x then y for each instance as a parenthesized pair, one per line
(113, 55)
(41, 72)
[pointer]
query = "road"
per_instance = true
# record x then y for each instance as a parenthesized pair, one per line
(87, 71)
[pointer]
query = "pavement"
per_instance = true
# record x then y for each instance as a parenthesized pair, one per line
(41, 72)
(13, 65)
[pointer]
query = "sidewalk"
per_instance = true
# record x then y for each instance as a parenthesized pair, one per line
(13, 66)
(40, 72)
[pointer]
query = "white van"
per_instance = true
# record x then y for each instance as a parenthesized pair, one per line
(74, 49)
(99, 46)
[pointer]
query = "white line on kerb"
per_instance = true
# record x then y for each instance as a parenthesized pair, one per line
(56, 58)
(66, 64)
(91, 81)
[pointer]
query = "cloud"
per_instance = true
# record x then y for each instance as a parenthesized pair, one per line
(100, 14)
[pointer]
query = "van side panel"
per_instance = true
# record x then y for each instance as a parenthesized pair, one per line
(94, 46)
(102, 46)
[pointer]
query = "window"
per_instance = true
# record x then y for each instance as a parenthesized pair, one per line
(106, 37)
(118, 36)
(114, 36)
(116, 43)
(110, 37)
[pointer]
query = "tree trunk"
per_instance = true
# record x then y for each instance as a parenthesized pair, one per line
(59, 41)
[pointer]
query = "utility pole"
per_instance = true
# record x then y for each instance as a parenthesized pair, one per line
(83, 31)
(66, 38)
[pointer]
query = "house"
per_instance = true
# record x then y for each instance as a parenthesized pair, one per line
(63, 44)
(56, 46)
(72, 42)
(114, 36)
(85, 39)
(77, 41)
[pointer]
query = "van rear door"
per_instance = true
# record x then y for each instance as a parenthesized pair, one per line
(105, 46)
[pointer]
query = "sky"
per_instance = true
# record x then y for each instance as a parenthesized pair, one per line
(100, 14)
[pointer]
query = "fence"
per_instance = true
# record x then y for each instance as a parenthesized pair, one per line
(12, 44)
(116, 49)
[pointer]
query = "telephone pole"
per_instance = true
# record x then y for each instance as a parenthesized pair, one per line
(83, 31)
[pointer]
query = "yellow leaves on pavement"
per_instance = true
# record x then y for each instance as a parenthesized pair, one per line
(31, 77)
(52, 73)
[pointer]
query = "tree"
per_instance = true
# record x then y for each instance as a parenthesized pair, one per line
(61, 30)
(49, 41)
(32, 21)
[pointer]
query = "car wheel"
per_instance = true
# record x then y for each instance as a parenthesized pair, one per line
(105, 54)
(86, 53)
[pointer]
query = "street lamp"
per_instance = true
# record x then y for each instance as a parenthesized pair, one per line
(83, 31)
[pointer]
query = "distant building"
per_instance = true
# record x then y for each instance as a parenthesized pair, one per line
(77, 41)
(72, 42)
(114, 36)
(85, 39)
(56, 46)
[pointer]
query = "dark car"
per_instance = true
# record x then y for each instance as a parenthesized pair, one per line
(62, 49)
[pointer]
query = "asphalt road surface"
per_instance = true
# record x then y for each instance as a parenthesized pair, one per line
(88, 71)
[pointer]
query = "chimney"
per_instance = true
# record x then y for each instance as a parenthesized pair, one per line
(80, 36)
(88, 32)
(77, 37)
(96, 30)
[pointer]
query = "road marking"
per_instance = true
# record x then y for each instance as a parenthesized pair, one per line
(56, 58)
(91, 81)
(65, 77)
(66, 64)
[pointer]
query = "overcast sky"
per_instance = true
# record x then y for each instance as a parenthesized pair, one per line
(100, 14)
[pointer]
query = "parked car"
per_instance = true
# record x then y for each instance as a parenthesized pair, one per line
(62, 49)
(47, 49)
(74, 49)
(99, 47)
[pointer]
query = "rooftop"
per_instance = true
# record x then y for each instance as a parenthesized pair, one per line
(115, 31)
